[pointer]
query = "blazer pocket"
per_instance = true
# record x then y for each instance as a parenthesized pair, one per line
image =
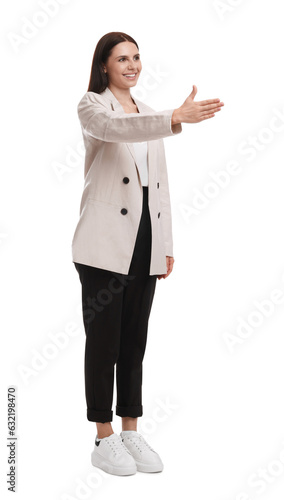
(102, 203)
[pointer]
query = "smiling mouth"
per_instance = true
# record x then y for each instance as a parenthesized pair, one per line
(130, 75)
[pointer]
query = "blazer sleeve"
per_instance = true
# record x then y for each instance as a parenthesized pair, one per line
(166, 214)
(111, 126)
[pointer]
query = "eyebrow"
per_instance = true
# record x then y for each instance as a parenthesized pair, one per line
(127, 56)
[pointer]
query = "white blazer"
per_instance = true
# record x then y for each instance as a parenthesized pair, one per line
(111, 203)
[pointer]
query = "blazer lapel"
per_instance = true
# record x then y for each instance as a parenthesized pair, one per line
(116, 106)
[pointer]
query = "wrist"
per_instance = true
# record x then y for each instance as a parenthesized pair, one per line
(176, 117)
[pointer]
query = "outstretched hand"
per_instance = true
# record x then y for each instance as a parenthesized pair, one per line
(195, 111)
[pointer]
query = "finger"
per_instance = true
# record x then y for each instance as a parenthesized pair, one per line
(193, 92)
(211, 107)
(208, 101)
(209, 111)
(207, 116)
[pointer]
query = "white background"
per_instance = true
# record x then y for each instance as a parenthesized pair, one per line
(214, 413)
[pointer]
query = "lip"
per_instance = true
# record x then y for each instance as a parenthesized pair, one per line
(127, 74)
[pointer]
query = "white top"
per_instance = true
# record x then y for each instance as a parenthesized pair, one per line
(141, 155)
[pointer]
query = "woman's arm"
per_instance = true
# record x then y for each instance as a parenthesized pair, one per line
(112, 126)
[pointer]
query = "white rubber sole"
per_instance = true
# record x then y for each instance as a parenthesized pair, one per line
(148, 467)
(106, 466)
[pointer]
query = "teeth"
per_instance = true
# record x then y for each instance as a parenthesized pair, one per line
(130, 75)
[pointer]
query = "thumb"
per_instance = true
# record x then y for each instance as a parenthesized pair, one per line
(194, 92)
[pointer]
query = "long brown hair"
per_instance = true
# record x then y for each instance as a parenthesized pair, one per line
(99, 79)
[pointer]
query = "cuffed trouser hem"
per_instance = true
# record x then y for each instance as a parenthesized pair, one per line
(99, 415)
(129, 411)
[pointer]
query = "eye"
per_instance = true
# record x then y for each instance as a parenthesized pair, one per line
(122, 58)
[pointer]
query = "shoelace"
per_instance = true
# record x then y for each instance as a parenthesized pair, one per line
(117, 445)
(140, 442)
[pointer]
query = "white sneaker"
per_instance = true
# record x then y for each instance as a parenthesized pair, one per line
(112, 456)
(147, 460)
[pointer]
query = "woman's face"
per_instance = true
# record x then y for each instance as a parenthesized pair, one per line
(124, 60)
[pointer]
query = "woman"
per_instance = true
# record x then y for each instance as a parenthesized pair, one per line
(123, 242)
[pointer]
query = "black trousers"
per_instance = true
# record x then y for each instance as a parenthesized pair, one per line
(116, 309)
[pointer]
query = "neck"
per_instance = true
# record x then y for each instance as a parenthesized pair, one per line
(122, 95)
